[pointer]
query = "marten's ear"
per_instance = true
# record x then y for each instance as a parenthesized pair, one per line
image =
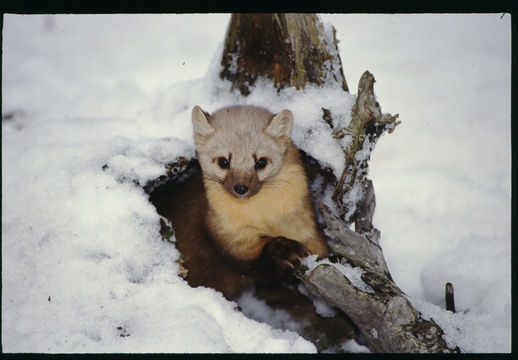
(200, 122)
(281, 123)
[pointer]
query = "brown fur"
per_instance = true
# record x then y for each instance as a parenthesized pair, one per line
(207, 266)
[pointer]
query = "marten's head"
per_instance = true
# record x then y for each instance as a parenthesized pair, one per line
(241, 147)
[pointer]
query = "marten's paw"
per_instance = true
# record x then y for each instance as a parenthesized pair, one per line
(280, 256)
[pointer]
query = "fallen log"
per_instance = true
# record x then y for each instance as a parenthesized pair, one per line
(380, 309)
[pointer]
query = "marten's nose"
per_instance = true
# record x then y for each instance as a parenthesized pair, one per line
(240, 189)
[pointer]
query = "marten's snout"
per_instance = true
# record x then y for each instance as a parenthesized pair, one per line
(241, 186)
(241, 189)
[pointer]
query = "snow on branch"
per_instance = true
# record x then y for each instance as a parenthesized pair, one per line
(367, 124)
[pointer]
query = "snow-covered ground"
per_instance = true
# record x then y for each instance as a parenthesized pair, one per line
(95, 102)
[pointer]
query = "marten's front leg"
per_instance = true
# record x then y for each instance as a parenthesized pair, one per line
(280, 256)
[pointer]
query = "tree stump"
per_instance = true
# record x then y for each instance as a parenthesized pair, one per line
(288, 49)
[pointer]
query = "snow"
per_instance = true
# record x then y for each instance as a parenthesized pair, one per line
(259, 310)
(101, 103)
(463, 329)
(352, 273)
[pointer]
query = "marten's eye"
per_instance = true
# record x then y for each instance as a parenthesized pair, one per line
(261, 163)
(223, 163)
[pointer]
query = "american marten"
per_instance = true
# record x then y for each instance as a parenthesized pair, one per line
(249, 216)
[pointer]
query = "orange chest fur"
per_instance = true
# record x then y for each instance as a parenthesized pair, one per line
(280, 208)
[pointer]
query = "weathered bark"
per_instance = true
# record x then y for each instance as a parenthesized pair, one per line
(289, 49)
(367, 124)
(385, 316)
(356, 248)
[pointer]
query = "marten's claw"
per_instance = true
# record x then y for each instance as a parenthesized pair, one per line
(288, 264)
(280, 257)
